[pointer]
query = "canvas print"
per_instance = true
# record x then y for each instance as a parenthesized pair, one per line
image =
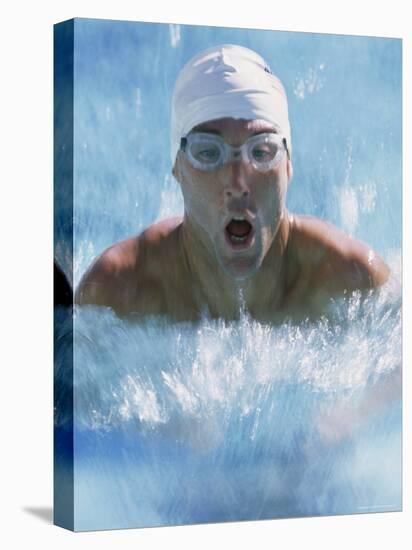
(227, 245)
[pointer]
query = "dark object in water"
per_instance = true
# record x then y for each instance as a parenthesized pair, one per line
(63, 293)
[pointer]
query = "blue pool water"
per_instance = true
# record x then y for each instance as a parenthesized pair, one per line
(214, 422)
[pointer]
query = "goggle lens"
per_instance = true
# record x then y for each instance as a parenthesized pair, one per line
(206, 152)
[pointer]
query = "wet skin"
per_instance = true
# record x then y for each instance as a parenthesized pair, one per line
(289, 266)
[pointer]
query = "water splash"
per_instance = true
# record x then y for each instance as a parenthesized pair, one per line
(310, 83)
(174, 35)
(260, 412)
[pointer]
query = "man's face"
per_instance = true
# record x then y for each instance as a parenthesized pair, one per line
(235, 209)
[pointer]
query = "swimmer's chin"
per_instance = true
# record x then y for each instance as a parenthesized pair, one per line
(239, 266)
(240, 269)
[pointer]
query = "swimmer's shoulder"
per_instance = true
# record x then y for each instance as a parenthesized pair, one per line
(127, 276)
(332, 259)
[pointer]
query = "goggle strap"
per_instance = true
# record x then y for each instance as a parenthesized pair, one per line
(285, 143)
(183, 143)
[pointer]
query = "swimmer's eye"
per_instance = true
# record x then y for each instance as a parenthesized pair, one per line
(264, 154)
(210, 154)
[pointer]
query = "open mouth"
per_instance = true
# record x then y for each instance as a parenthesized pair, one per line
(239, 232)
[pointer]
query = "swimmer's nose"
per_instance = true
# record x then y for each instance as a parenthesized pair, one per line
(238, 181)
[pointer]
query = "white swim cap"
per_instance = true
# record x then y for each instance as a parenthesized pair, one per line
(227, 81)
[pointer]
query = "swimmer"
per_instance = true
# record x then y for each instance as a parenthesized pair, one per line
(231, 151)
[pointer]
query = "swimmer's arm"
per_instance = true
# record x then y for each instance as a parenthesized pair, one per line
(352, 265)
(118, 279)
(338, 261)
(101, 283)
(343, 420)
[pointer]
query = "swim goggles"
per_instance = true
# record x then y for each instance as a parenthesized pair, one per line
(208, 152)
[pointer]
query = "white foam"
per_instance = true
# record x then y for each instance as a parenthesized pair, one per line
(174, 34)
(310, 83)
(215, 368)
(349, 208)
